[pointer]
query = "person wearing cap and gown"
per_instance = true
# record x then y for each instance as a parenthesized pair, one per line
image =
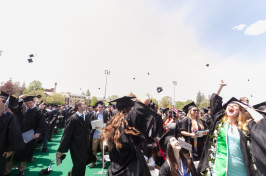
(52, 116)
(124, 132)
(176, 163)
(227, 149)
(76, 137)
(29, 117)
(10, 133)
(190, 125)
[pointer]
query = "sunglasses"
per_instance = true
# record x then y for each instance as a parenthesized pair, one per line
(195, 110)
(100, 107)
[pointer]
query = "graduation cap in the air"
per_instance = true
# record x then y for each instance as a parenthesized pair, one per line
(1, 53)
(165, 110)
(31, 55)
(189, 106)
(124, 102)
(31, 98)
(134, 78)
(159, 89)
(207, 65)
(30, 60)
(233, 99)
(260, 106)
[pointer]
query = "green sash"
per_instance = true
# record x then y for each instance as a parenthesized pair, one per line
(220, 165)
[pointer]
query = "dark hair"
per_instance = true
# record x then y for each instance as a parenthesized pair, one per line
(77, 104)
(173, 162)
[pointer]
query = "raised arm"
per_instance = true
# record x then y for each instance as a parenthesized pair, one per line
(221, 87)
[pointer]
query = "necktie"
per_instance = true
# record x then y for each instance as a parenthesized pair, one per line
(83, 117)
(28, 109)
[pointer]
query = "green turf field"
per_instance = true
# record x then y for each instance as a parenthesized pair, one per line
(42, 161)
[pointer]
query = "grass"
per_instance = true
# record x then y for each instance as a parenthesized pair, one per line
(43, 160)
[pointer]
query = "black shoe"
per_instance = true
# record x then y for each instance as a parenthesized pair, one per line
(8, 174)
(45, 150)
(21, 173)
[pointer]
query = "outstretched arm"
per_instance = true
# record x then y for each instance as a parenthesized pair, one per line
(221, 86)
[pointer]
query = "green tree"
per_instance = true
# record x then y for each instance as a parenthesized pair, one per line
(93, 101)
(154, 101)
(34, 85)
(112, 97)
(166, 102)
(55, 98)
(199, 98)
(204, 104)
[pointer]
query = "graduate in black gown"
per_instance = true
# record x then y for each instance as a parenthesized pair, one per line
(10, 133)
(29, 117)
(176, 163)
(76, 138)
(123, 133)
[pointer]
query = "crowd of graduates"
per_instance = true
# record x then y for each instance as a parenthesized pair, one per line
(139, 137)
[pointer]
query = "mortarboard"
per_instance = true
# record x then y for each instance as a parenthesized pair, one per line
(260, 106)
(207, 65)
(4, 95)
(31, 98)
(124, 102)
(31, 55)
(189, 106)
(205, 110)
(1, 53)
(165, 110)
(30, 60)
(230, 101)
(159, 89)
(99, 103)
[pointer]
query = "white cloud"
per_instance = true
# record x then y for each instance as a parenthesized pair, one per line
(239, 27)
(256, 28)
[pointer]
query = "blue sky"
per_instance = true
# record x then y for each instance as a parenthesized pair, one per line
(172, 40)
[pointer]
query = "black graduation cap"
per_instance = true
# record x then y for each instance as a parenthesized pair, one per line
(207, 65)
(260, 106)
(230, 101)
(248, 79)
(30, 60)
(189, 106)
(162, 140)
(1, 53)
(134, 78)
(99, 103)
(124, 102)
(166, 109)
(31, 98)
(99, 88)
(148, 73)
(31, 55)
(4, 95)
(159, 89)
(205, 110)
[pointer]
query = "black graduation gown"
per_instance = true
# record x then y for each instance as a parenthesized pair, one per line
(186, 126)
(28, 120)
(76, 138)
(158, 125)
(10, 137)
(128, 160)
(258, 144)
(165, 170)
(217, 113)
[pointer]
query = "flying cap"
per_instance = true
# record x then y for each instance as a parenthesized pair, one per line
(159, 89)
(124, 102)
(231, 101)
(189, 106)
(30, 60)
(31, 98)
(260, 106)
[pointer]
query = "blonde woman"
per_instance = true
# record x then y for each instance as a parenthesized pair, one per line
(190, 125)
(227, 148)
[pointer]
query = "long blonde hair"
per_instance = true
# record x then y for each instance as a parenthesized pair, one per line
(242, 119)
(197, 119)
